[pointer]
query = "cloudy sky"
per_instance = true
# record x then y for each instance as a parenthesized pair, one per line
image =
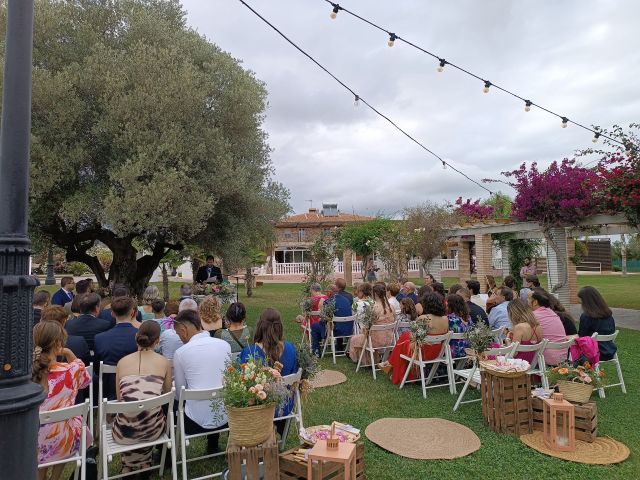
(580, 58)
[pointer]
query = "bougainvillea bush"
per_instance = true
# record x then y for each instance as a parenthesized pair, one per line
(620, 181)
(563, 194)
(473, 210)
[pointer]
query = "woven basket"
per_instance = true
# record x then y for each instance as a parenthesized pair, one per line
(575, 391)
(250, 426)
(489, 366)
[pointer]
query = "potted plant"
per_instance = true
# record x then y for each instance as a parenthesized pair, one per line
(575, 383)
(251, 392)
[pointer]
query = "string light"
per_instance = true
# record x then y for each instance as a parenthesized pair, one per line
(444, 165)
(356, 102)
(595, 137)
(393, 37)
(334, 13)
(487, 85)
(565, 122)
(443, 62)
(527, 105)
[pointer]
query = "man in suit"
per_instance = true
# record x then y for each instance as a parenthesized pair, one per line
(118, 342)
(40, 301)
(87, 324)
(119, 291)
(476, 312)
(209, 271)
(65, 294)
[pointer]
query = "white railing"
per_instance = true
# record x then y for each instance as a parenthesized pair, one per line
(589, 267)
(356, 266)
(414, 265)
(497, 263)
(449, 264)
(292, 268)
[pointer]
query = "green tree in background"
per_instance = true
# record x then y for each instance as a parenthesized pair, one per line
(145, 137)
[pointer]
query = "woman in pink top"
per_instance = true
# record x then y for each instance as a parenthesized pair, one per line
(552, 328)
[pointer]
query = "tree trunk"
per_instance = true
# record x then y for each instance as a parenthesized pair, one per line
(248, 282)
(623, 255)
(195, 265)
(165, 283)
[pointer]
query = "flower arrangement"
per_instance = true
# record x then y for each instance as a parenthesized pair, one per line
(252, 383)
(419, 329)
(480, 337)
(473, 210)
(225, 291)
(308, 362)
(328, 310)
(306, 305)
(368, 316)
(582, 374)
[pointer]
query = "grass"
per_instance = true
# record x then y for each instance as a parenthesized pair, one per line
(361, 401)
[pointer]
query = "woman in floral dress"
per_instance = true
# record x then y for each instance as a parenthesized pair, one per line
(459, 322)
(61, 381)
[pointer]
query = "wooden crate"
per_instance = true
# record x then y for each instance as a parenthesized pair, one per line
(586, 419)
(506, 403)
(291, 468)
(266, 453)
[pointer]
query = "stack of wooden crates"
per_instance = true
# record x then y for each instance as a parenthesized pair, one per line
(506, 402)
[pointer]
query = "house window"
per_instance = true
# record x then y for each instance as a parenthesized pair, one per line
(287, 234)
(301, 234)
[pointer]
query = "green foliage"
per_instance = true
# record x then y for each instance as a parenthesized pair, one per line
(519, 249)
(364, 238)
(76, 269)
(581, 374)
(479, 337)
(425, 223)
(251, 383)
(633, 248)
(581, 249)
(501, 203)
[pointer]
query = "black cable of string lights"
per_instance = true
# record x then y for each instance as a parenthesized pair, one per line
(393, 37)
(358, 99)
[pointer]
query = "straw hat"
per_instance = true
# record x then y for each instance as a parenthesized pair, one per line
(603, 450)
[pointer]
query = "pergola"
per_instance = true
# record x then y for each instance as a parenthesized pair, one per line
(563, 237)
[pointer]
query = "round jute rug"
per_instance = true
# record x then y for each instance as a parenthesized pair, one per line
(328, 378)
(603, 451)
(423, 438)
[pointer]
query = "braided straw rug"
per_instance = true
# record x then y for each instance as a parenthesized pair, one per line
(603, 451)
(328, 378)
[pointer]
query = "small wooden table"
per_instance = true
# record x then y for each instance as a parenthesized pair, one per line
(345, 454)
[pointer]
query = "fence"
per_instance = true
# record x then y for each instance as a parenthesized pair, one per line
(632, 265)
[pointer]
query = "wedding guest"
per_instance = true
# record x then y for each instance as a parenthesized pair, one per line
(318, 327)
(383, 315)
(407, 314)
(210, 314)
(408, 290)
(238, 335)
(188, 304)
(363, 297)
(65, 294)
(498, 317)
(140, 376)
(530, 282)
(393, 289)
(87, 324)
(341, 308)
(529, 268)
(454, 288)
(169, 339)
(342, 285)
(491, 284)
(438, 288)
(552, 328)
(157, 307)
(75, 343)
(370, 270)
(597, 317)
(438, 323)
(459, 322)
(61, 382)
(119, 291)
(186, 291)
(476, 297)
(477, 313)
(209, 272)
(526, 328)
(40, 301)
(270, 347)
(198, 364)
(509, 282)
(567, 319)
(422, 292)
(428, 279)
(151, 293)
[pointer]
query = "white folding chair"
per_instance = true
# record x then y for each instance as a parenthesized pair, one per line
(90, 372)
(401, 327)
(371, 350)
(104, 369)
(80, 457)
(109, 447)
(564, 345)
(458, 362)
(444, 356)
(610, 338)
(473, 374)
(536, 367)
(498, 335)
(331, 337)
(210, 394)
(292, 381)
(306, 329)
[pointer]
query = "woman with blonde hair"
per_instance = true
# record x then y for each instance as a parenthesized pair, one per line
(526, 328)
(61, 382)
(150, 295)
(210, 314)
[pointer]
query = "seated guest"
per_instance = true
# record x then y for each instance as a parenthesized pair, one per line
(40, 301)
(65, 294)
(363, 297)
(530, 282)
(188, 304)
(75, 343)
(407, 314)
(597, 317)
(422, 291)
(428, 279)
(509, 282)
(384, 315)
(498, 317)
(491, 284)
(238, 335)
(552, 328)
(342, 285)
(568, 322)
(61, 382)
(438, 288)
(199, 364)
(477, 313)
(317, 299)
(150, 294)
(476, 297)
(169, 339)
(118, 292)
(186, 291)
(140, 376)
(526, 328)
(209, 272)
(459, 322)
(408, 290)
(435, 316)
(454, 288)
(341, 308)
(87, 324)
(210, 314)
(393, 289)
(157, 307)
(270, 347)
(82, 287)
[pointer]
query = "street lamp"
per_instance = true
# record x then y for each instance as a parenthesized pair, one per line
(19, 396)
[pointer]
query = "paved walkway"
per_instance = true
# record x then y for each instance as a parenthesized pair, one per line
(625, 317)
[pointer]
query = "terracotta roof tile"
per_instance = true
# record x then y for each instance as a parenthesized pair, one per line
(316, 217)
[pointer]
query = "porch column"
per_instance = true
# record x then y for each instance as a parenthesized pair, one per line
(434, 267)
(464, 261)
(273, 261)
(484, 259)
(572, 276)
(347, 266)
(557, 272)
(505, 259)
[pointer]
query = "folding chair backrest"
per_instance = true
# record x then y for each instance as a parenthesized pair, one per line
(293, 378)
(352, 318)
(402, 324)
(383, 327)
(113, 407)
(458, 336)
(536, 347)
(104, 369)
(497, 333)
(433, 339)
(506, 351)
(317, 313)
(565, 345)
(202, 394)
(605, 338)
(55, 416)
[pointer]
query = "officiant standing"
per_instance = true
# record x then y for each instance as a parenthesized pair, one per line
(209, 272)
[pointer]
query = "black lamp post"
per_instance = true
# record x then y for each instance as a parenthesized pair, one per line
(51, 279)
(19, 397)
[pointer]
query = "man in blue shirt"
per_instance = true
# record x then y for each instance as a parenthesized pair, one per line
(65, 294)
(408, 291)
(499, 316)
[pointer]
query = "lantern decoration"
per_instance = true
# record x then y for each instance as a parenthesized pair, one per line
(558, 420)
(333, 441)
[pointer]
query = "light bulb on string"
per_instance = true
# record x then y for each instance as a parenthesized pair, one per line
(565, 122)
(487, 85)
(444, 165)
(334, 13)
(392, 38)
(595, 137)
(440, 68)
(356, 102)
(527, 105)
